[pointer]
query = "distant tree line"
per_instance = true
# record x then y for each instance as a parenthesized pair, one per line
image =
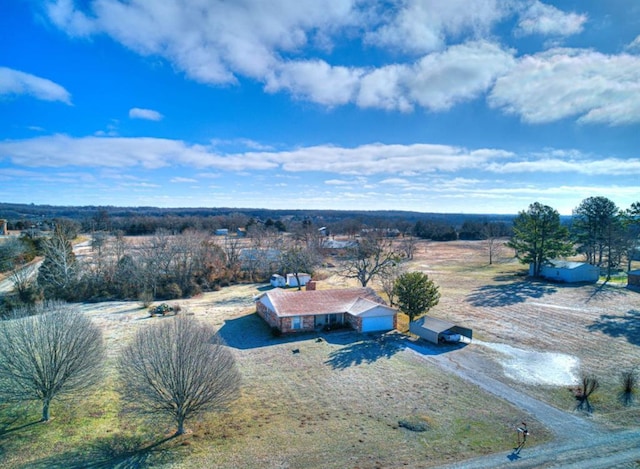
(148, 220)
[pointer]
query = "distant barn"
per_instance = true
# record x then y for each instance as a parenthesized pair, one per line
(568, 272)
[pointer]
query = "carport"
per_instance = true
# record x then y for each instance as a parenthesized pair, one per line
(431, 329)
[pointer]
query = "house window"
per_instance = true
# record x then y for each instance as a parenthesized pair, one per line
(296, 322)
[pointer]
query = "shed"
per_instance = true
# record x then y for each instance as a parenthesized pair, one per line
(222, 232)
(633, 278)
(277, 280)
(431, 329)
(568, 272)
(292, 281)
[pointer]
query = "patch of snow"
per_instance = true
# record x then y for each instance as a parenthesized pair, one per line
(531, 367)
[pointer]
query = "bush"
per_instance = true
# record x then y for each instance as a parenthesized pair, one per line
(146, 298)
(170, 291)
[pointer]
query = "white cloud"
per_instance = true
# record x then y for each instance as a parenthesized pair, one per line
(146, 152)
(421, 26)
(316, 81)
(211, 41)
(419, 168)
(562, 83)
(15, 82)
(338, 182)
(182, 180)
(460, 73)
(275, 44)
(540, 18)
(602, 167)
(634, 46)
(148, 114)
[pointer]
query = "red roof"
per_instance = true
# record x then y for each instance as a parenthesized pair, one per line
(304, 303)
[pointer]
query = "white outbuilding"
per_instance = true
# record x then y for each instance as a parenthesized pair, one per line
(568, 272)
(292, 280)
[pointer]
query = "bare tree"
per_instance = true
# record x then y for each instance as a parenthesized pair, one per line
(297, 259)
(178, 369)
(371, 257)
(491, 239)
(59, 269)
(629, 381)
(408, 246)
(23, 279)
(55, 352)
(388, 280)
(589, 385)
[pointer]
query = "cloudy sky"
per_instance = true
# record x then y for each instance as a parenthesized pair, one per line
(473, 106)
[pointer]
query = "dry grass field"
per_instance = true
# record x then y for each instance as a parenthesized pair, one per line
(345, 400)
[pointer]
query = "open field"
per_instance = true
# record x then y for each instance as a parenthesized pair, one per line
(339, 402)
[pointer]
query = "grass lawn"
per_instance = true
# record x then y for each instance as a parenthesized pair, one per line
(339, 402)
(348, 400)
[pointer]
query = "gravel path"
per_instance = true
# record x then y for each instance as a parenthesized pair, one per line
(579, 443)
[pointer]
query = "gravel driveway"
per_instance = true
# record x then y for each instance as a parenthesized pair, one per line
(579, 443)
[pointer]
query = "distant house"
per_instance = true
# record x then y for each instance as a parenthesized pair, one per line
(633, 278)
(252, 256)
(222, 232)
(568, 272)
(336, 245)
(309, 310)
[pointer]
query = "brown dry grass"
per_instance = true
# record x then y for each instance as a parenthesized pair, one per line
(338, 402)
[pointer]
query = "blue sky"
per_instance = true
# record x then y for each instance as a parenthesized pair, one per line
(463, 106)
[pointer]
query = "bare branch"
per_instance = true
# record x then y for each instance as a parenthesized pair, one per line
(50, 354)
(178, 369)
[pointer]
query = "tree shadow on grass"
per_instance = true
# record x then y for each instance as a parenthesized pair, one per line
(509, 293)
(14, 418)
(113, 452)
(627, 326)
(604, 291)
(364, 351)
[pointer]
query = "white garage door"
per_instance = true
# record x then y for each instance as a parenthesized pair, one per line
(380, 323)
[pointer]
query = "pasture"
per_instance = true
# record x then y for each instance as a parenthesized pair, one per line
(349, 400)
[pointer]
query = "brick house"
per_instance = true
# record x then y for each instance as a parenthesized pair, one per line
(309, 310)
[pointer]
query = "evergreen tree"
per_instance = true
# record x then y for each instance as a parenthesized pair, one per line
(415, 294)
(538, 236)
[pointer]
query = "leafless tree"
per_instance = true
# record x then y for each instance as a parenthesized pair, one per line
(491, 240)
(23, 279)
(232, 246)
(629, 381)
(59, 270)
(408, 246)
(589, 385)
(297, 259)
(178, 369)
(371, 257)
(55, 352)
(156, 256)
(388, 280)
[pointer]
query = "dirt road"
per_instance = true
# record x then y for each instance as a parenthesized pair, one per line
(579, 443)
